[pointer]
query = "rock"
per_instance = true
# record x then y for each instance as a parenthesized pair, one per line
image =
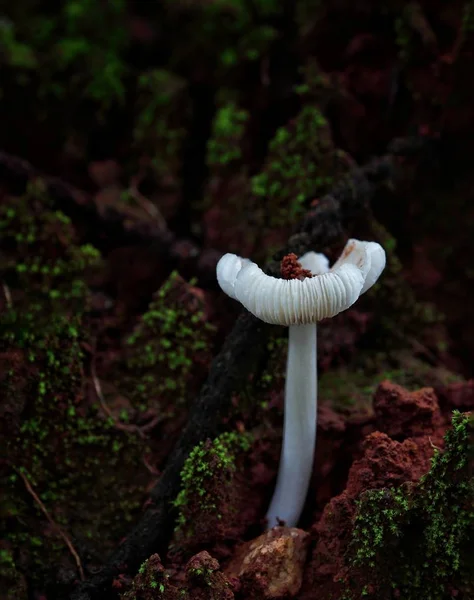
(150, 583)
(459, 395)
(205, 580)
(385, 463)
(331, 429)
(402, 414)
(271, 566)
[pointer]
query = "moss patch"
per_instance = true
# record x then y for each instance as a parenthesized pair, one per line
(207, 478)
(414, 541)
(53, 431)
(302, 163)
(169, 350)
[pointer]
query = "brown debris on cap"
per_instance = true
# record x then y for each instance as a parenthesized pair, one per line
(271, 566)
(290, 268)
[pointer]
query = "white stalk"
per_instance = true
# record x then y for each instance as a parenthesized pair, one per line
(300, 304)
(299, 427)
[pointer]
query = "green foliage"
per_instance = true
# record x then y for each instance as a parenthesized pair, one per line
(354, 384)
(226, 32)
(163, 110)
(53, 434)
(224, 145)
(52, 268)
(301, 164)
(151, 582)
(167, 348)
(317, 86)
(404, 32)
(468, 17)
(10, 577)
(73, 44)
(15, 53)
(416, 539)
(394, 304)
(208, 471)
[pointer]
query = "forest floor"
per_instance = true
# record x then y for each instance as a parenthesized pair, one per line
(140, 412)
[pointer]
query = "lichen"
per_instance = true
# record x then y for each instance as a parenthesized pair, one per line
(414, 541)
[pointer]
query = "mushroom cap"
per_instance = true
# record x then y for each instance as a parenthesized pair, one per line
(315, 262)
(295, 301)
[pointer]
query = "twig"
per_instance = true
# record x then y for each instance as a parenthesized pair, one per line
(53, 524)
(147, 205)
(130, 428)
(242, 350)
(117, 227)
(7, 294)
(153, 470)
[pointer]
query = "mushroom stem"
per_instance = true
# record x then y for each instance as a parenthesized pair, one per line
(299, 427)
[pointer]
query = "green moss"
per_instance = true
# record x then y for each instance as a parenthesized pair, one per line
(162, 115)
(354, 385)
(395, 307)
(256, 43)
(404, 33)
(398, 357)
(224, 145)
(151, 582)
(15, 53)
(53, 432)
(468, 18)
(301, 164)
(167, 349)
(415, 540)
(206, 474)
(70, 43)
(272, 377)
(317, 86)
(11, 580)
(52, 267)
(225, 32)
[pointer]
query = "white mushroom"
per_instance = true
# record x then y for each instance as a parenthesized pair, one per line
(300, 303)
